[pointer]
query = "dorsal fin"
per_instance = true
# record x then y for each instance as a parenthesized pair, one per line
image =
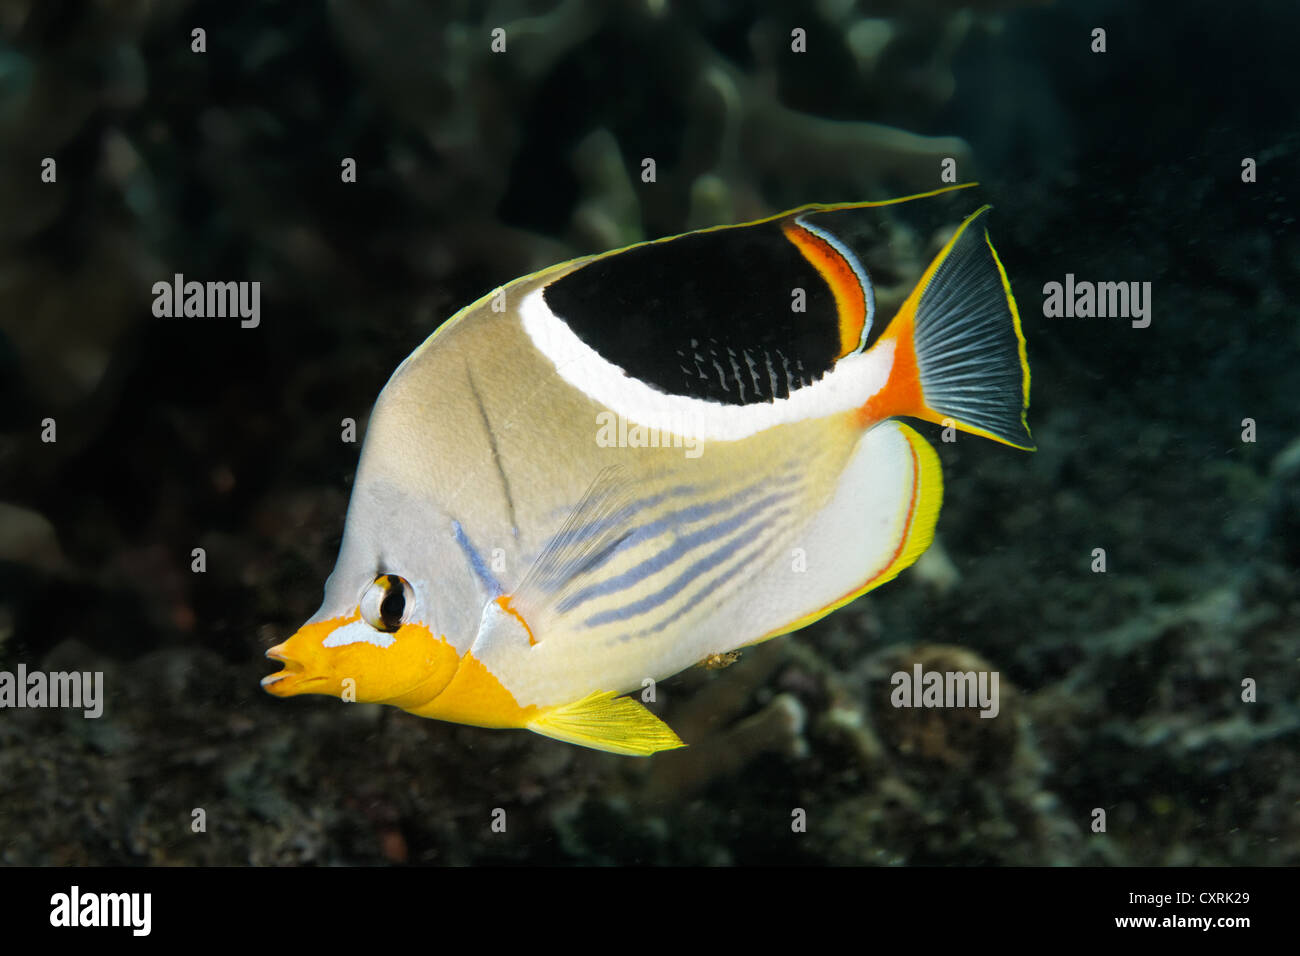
(732, 315)
(735, 316)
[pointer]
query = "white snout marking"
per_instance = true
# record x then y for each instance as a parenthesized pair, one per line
(357, 632)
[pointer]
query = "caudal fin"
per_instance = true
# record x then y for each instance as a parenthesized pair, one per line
(959, 352)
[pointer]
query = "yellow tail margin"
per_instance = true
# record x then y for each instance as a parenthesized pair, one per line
(959, 350)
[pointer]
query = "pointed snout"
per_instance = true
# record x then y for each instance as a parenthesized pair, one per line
(304, 668)
(279, 683)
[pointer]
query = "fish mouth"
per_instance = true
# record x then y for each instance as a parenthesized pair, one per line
(280, 683)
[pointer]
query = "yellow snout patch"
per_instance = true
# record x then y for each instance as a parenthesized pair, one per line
(423, 675)
(406, 668)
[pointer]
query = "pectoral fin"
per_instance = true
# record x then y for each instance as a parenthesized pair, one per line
(604, 721)
(576, 555)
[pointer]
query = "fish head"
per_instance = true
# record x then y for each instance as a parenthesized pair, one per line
(381, 650)
(402, 605)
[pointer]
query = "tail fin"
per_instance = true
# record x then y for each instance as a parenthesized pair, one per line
(959, 352)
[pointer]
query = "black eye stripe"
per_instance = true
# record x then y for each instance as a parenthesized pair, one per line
(386, 602)
(392, 607)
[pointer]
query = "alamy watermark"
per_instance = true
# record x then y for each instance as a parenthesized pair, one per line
(208, 300)
(922, 688)
(79, 690)
(614, 431)
(1084, 299)
(75, 908)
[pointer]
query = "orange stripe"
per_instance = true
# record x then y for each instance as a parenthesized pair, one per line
(901, 393)
(504, 602)
(850, 303)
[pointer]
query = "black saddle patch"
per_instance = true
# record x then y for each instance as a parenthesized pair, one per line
(706, 315)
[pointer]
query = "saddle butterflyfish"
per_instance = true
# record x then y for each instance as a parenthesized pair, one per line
(623, 465)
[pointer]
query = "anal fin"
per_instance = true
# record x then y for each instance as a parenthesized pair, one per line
(605, 721)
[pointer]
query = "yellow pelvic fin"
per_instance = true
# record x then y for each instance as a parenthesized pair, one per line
(605, 721)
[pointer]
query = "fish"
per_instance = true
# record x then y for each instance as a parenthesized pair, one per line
(615, 468)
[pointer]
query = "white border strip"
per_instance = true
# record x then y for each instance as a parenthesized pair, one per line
(849, 385)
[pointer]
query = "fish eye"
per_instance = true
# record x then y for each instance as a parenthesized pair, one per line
(386, 602)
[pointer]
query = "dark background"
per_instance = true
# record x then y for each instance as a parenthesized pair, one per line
(475, 168)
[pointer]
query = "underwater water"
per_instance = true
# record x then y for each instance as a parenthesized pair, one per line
(173, 488)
